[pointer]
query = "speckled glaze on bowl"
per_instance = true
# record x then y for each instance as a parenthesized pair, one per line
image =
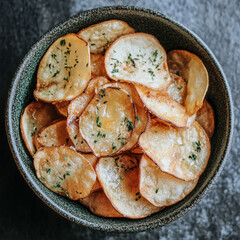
(171, 35)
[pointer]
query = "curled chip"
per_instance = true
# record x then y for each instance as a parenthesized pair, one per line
(64, 70)
(54, 134)
(192, 70)
(142, 117)
(35, 116)
(181, 152)
(138, 58)
(159, 188)
(108, 121)
(120, 181)
(64, 171)
(97, 65)
(177, 89)
(205, 117)
(101, 35)
(99, 204)
(62, 107)
(75, 109)
(163, 106)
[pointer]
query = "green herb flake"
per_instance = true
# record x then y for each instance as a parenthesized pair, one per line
(48, 170)
(156, 191)
(75, 137)
(63, 42)
(137, 118)
(193, 157)
(197, 146)
(121, 178)
(179, 88)
(64, 157)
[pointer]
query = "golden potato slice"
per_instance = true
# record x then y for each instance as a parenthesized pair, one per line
(100, 205)
(64, 70)
(138, 58)
(35, 116)
(64, 171)
(193, 71)
(181, 152)
(54, 134)
(62, 107)
(97, 65)
(76, 108)
(142, 116)
(108, 121)
(177, 89)
(120, 181)
(101, 35)
(93, 160)
(138, 150)
(159, 188)
(205, 117)
(163, 106)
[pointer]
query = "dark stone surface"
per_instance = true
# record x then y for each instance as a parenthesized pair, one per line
(24, 216)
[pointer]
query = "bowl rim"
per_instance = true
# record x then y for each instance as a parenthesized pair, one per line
(139, 226)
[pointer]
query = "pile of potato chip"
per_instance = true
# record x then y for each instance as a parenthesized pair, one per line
(118, 124)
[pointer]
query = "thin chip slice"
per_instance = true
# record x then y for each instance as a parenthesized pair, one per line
(142, 116)
(101, 35)
(75, 109)
(120, 181)
(181, 152)
(138, 150)
(163, 106)
(138, 58)
(97, 65)
(64, 70)
(108, 121)
(54, 134)
(159, 188)
(35, 116)
(177, 89)
(205, 117)
(192, 70)
(64, 171)
(99, 204)
(62, 107)
(93, 160)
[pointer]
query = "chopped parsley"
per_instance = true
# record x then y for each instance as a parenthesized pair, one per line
(99, 124)
(156, 191)
(197, 146)
(64, 157)
(63, 42)
(193, 157)
(179, 88)
(75, 137)
(113, 146)
(102, 95)
(48, 170)
(132, 60)
(56, 73)
(137, 118)
(121, 178)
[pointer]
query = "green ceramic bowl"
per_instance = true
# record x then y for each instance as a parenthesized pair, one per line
(171, 35)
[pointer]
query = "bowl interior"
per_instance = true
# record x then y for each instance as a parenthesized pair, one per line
(171, 36)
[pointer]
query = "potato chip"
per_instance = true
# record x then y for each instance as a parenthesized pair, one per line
(181, 152)
(163, 106)
(35, 116)
(54, 134)
(76, 108)
(205, 117)
(138, 150)
(62, 107)
(64, 70)
(97, 65)
(64, 171)
(108, 121)
(142, 116)
(159, 188)
(193, 71)
(101, 35)
(177, 89)
(99, 204)
(120, 181)
(93, 160)
(138, 58)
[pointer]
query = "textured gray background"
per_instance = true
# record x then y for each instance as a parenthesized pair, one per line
(24, 216)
